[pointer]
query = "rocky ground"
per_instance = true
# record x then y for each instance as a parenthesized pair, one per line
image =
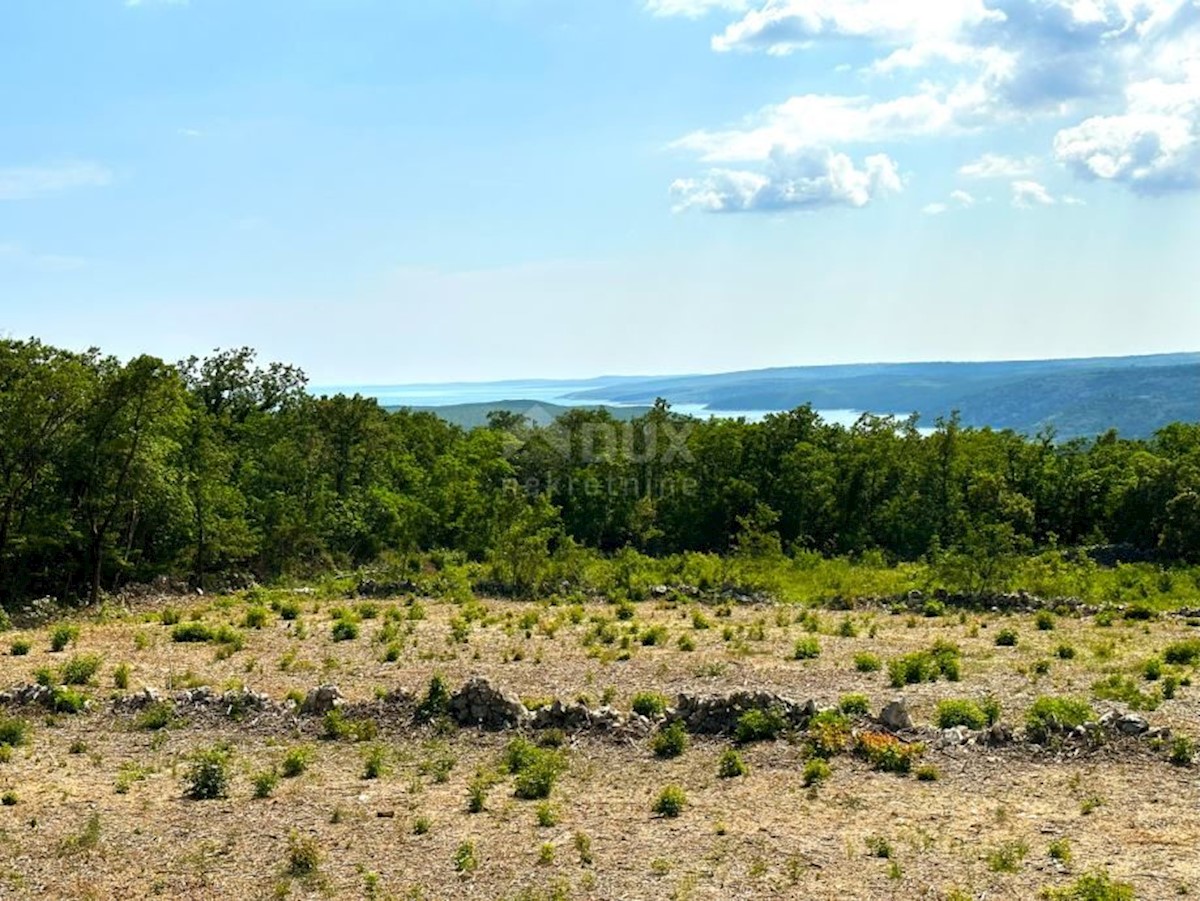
(96, 802)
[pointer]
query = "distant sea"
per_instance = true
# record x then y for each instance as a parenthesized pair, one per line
(448, 395)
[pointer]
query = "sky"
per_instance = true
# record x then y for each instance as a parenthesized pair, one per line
(392, 191)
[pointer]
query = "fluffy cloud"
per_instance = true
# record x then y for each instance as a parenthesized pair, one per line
(992, 165)
(1153, 146)
(1028, 194)
(27, 182)
(1118, 74)
(811, 179)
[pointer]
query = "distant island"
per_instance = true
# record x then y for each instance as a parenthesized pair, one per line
(1135, 395)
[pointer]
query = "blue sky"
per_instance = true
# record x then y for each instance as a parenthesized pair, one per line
(395, 191)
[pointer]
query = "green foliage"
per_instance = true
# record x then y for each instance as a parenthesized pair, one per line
(1116, 687)
(63, 635)
(193, 631)
(1050, 715)
(855, 705)
(465, 859)
(671, 740)
(1182, 653)
(1007, 858)
(265, 783)
(650, 703)
(760, 725)
(344, 630)
(80, 669)
(296, 761)
(20, 647)
(1044, 620)
(436, 703)
(730, 765)
(158, 715)
(960, 712)
(304, 855)
(14, 731)
(121, 676)
(1183, 751)
(536, 768)
(867, 663)
(670, 801)
(1096, 886)
(1060, 850)
(806, 649)
(208, 775)
(816, 770)
(942, 659)
(1006, 638)
(67, 700)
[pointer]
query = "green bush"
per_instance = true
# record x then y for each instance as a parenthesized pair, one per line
(806, 649)
(192, 632)
(156, 716)
(1007, 858)
(296, 761)
(63, 635)
(1182, 653)
(121, 676)
(14, 731)
(670, 801)
(535, 768)
(816, 770)
(265, 783)
(650, 703)
(1049, 715)
(1183, 750)
(866, 662)
(1065, 652)
(671, 740)
(375, 762)
(854, 705)
(20, 647)
(208, 775)
(731, 765)
(67, 700)
(304, 856)
(1096, 886)
(256, 618)
(80, 669)
(344, 630)
(436, 703)
(760, 725)
(1116, 687)
(960, 712)
(1006, 638)
(1044, 620)
(942, 659)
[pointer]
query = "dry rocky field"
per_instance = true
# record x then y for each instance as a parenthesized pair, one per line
(389, 797)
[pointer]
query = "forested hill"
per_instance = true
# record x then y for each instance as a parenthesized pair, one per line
(114, 471)
(1082, 397)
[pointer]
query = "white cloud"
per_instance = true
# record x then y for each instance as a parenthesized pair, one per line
(962, 198)
(1028, 194)
(27, 182)
(993, 165)
(1153, 146)
(810, 179)
(934, 209)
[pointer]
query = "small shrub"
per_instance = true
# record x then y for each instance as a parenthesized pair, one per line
(80, 669)
(265, 783)
(421, 825)
(960, 712)
(583, 847)
(928, 773)
(887, 753)
(867, 663)
(464, 859)
(375, 762)
(828, 733)
(68, 700)
(1007, 858)
(855, 705)
(168, 616)
(208, 776)
(546, 815)
(759, 725)
(1060, 850)
(806, 649)
(121, 676)
(62, 636)
(289, 610)
(1049, 715)
(650, 703)
(1044, 620)
(816, 770)
(1065, 652)
(436, 703)
(1006, 638)
(156, 716)
(731, 765)
(9, 798)
(670, 801)
(1182, 653)
(256, 618)
(671, 741)
(194, 632)
(1183, 750)
(477, 794)
(1116, 687)
(1152, 669)
(1097, 886)
(296, 761)
(344, 630)
(14, 731)
(304, 855)
(878, 846)
(20, 647)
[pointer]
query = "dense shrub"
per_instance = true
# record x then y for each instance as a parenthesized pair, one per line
(670, 741)
(650, 703)
(1049, 715)
(670, 801)
(208, 776)
(960, 712)
(759, 725)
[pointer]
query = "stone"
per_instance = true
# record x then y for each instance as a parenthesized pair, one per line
(321, 700)
(896, 716)
(480, 703)
(1133, 724)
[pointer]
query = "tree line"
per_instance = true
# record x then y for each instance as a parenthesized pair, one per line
(117, 471)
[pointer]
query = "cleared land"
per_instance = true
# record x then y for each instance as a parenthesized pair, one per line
(96, 805)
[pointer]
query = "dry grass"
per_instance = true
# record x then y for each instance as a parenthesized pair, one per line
(764, 835)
